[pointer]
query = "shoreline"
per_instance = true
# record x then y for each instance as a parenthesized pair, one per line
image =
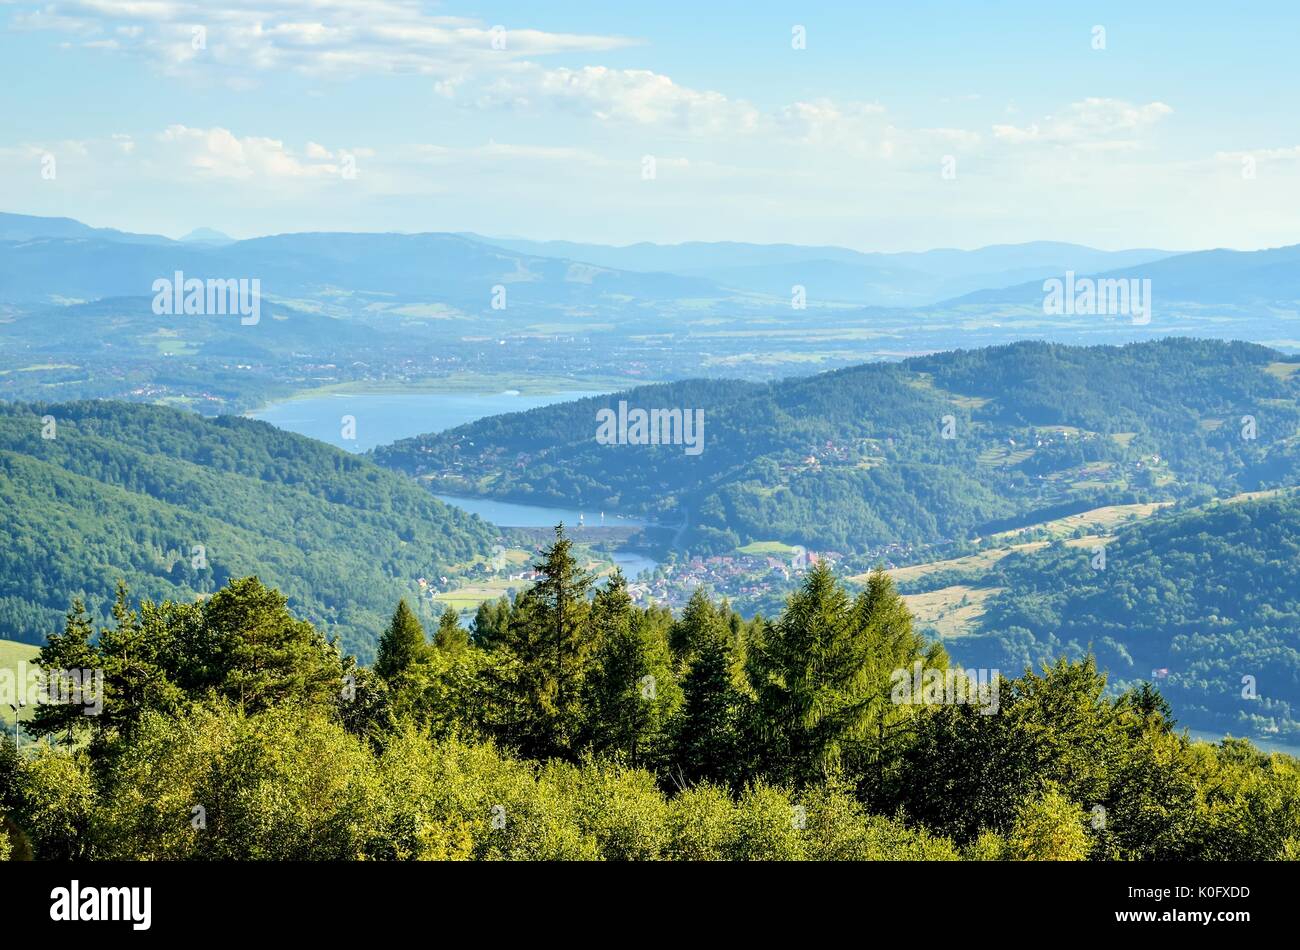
(468, 385)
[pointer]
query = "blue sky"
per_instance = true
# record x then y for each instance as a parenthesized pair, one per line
(898, 127)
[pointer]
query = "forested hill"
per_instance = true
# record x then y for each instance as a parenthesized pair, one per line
(857, 458)
(124, 491)
(1210, 595)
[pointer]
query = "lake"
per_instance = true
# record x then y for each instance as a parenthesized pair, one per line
(382, 418)
(386, 417)
(509, 514)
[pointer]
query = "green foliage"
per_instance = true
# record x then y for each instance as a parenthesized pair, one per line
(823, 675)
(127, 492)
(710, 738)
(549, 645)
(402, 645)
(232, 731)
(451, 637)
(1049, 828)
(854, 459)
(632, 692)
(1210, 594)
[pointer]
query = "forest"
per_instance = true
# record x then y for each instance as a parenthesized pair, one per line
(930, 450)
(176, 505)
(1210, 595)
(570, 724)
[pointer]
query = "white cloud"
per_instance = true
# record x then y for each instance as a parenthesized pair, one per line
(219, 153)
(318, 37)
(1091, 123)
(638, 96)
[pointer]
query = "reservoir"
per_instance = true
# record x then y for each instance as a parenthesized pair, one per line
(381, 418)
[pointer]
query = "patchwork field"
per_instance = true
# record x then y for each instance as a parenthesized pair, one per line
(950, 611)
(1095, 521)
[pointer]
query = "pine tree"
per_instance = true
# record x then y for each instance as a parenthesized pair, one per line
(707, 743)
(550, 649)
(822, 673)
(631, 692)
(69, 650)
(267, 655)
(402, 645)
(451, 637)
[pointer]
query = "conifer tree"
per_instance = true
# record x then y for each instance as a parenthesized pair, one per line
(402, 645)
(822, 674)
(69, 650)
(133, 660)
(264, 654)
(492, 622)
(697, 621)
(707, 744)
(631, 692)
(550, 651)
(451, 637)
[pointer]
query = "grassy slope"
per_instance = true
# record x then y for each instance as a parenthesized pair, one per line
(11, 653)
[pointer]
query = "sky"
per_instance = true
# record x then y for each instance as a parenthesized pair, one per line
(876, 126)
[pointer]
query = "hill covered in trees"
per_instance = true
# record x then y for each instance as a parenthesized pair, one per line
(569, 723)
(1208, 596)
(928, 450)
(176, 505)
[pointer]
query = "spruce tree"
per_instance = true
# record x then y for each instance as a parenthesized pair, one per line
(451, 637)
(69, 650)
(402, 645)
(492, 622)
(698, 618)
(631, 692)
(707, 743)
(550, 649)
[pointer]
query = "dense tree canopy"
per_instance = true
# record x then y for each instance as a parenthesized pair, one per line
(582, 727)
(177, 505)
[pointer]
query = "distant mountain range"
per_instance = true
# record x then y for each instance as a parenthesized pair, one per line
(23, 227)
(1205, 277)
(48, 260)
(843, 275)
(84, 266)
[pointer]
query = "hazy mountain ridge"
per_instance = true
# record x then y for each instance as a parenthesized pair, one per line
(856, 458)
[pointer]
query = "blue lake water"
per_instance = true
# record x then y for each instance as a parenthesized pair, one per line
(382, 418)
(386, 417)
(509, 514)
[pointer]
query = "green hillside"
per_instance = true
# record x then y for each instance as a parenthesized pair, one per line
(11, 653)
(131, 492)
(857, 459)
(1211, 595)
